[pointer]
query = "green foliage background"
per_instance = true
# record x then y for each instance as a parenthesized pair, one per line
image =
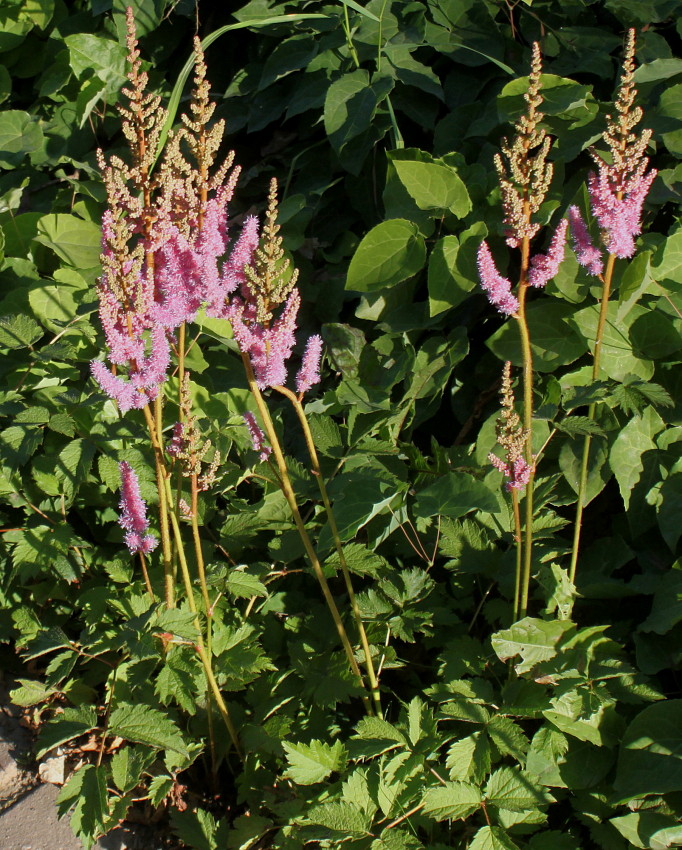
(380, 123)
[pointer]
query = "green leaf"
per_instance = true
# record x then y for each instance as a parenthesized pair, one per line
(649, 830)
(669, 509)
(599, 472)
(31, 692)
(514, 791)
(391, 252)
(127, 766)
(469, 758)
(70, 724)
(349, 107)
(373, 489)
(581, 426)
(553, 341)
(88, 788)
(666, 609)
(618, 360)
(105, 58)
(243, 585)
(507, 737)
(340, 817)
(20, 134)
(452, 269)
(73, 240)
(313, 762)
(197, 829)
(454, 495)
(666, 264)
(650, 756)
(492, 838)
(634, 440)
(434, 186)
(534, 640)
(145, 725)
(452, 801)
(19, 331)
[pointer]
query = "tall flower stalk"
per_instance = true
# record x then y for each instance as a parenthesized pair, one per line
(617, 191)
(524, 176)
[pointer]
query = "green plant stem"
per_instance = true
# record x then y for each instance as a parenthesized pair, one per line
(524, 583)
(349, 37)
(317, 471)
(584, 465)
(290, 496)
(201, 648)
(519, 552)
(166, 545)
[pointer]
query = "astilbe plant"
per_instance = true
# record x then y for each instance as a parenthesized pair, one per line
(617, 191)
(524, 175)
(167, 253)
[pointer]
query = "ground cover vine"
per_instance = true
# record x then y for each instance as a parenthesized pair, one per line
(288, 562)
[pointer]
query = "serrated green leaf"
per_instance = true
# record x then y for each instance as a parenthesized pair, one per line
(452, 801)
(508, 737)
(636, 438)
(19, 331)
(469, 758)
(579, 425)
(70, 724)
(313, 762)
(145, 725)
(454, 495)
(492, 838)
(509, 788)
(340, 817)
(244, 585)
(159, 788)
(128, 765)
(197, 829)
(31, 692)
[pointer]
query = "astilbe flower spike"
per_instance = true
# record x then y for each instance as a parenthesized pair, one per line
(133, 517)
(586, 253)
(257, 437)
(618, 188)
(309, 373)
(512, 437)
(543, 267)
(497, 287)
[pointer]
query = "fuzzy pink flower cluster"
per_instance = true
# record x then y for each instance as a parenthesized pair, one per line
(543, 267)
(587, 254)
(617, 205)
(497, 288)
(185, 273)
(518, 471)
(133, 517)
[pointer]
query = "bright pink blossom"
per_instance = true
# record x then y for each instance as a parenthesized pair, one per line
(257, 436)
(309, 373)
(543, 267)
(620, 218)
(133, 517)
(497, 288)
(269, 348)
(587, 254)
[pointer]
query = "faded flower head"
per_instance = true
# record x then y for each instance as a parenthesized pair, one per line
(522, 168)
(512, 437)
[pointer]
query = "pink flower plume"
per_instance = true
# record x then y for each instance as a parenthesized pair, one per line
(133, 517)
(257, 436)
(497, 288)
(545, 266)
(309, 373)
(586, 253)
